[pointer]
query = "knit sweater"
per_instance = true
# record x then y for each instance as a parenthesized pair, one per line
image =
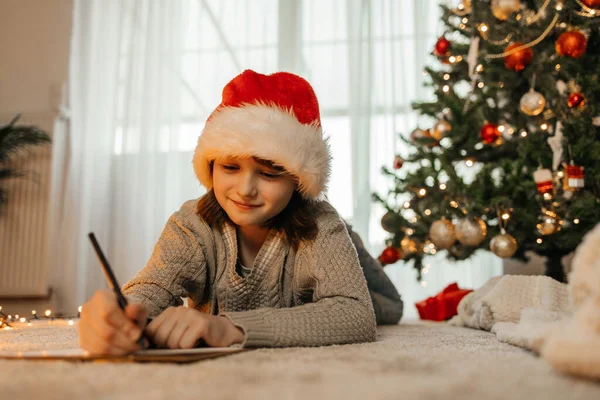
(386, 300)
(314, 295)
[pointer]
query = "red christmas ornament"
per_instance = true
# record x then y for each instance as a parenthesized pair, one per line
(390, 255)
(572, 44)
(576, 100)
(574, 178)
(518, 60)
(398, 162)
(442, 47)
(591, 3)
(543, 180)
(489, 133)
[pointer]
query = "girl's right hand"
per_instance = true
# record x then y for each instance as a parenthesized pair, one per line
(106, 329)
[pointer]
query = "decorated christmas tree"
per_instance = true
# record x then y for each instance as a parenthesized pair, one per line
(509, 161)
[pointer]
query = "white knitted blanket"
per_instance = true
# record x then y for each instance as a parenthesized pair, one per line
(559, 322)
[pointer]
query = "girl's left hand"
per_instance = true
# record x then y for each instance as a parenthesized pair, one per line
(182, 328)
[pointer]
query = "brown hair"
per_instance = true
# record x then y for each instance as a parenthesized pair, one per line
(297, 219)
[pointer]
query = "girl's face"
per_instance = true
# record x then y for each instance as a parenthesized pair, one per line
(251, 191)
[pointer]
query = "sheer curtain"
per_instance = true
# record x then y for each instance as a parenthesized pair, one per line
(146, 74)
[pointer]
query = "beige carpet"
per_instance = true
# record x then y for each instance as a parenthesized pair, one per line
(414, 360)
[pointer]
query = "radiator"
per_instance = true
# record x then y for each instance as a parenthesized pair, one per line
(24, 219)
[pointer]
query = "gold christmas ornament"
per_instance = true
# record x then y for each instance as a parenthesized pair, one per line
(441, 129)
(471, 231)
(503, 245)
(391, 223)
(418, 134)
(532, 103)
(409, 246)
(550, 223)
(502, 9)
(442, 234)
(466, 6)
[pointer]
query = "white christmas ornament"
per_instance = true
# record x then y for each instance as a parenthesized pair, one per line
(472, 56)
(561, 86)
(532, 103)
(555, 143)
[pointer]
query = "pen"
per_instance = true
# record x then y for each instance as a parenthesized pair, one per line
(112, 282)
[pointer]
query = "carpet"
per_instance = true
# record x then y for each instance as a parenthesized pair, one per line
(413, 360)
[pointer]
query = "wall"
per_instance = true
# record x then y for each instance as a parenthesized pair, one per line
(34, 40)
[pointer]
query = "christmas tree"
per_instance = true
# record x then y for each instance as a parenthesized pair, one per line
(509, 162)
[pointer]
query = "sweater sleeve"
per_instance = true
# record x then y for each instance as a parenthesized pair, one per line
(176, 267)
(340, 311)
(387, 302)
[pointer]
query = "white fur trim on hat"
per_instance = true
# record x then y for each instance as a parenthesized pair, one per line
(270, 133)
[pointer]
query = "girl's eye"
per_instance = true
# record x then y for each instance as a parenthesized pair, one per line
(269, 175)
(228, 167)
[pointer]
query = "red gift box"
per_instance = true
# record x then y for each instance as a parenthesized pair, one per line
(442, 306)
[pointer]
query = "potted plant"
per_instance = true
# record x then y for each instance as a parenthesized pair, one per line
(14, 139)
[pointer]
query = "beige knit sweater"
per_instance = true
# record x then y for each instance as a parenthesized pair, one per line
(314, 296)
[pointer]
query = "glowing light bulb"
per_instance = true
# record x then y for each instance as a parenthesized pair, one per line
(442, 186)
(469, 163)
(48, 312)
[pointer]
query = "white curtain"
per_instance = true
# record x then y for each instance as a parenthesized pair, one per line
(146, 74)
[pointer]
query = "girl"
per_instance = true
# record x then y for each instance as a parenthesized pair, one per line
(268, 261)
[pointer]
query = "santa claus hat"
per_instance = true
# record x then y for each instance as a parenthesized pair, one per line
(273, 117)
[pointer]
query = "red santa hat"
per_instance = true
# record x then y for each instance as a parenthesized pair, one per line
(273, 117)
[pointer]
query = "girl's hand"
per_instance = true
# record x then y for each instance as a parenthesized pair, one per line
(182, 328)
(106, 329)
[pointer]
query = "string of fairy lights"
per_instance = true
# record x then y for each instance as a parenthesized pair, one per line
(12, 321)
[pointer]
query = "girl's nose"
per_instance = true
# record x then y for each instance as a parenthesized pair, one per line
(247, 186)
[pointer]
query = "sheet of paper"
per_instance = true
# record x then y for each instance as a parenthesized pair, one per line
(152, 355)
